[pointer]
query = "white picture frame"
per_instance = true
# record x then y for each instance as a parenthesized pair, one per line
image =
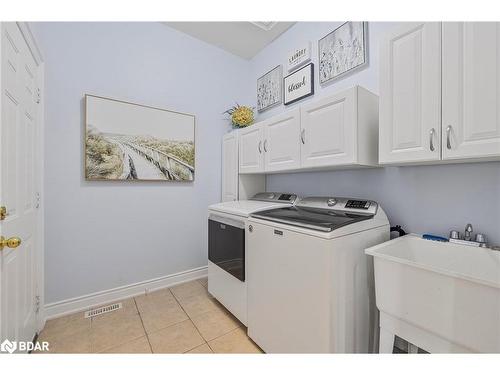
(299, 57)
(269, 89)
(299, 84)
(342, 51)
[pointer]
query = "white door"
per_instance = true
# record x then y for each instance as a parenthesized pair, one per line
(18, 184)
(251, 149)
(471, 90)
(328, 130)
(410, 94)
(281, 142)
(230, 167)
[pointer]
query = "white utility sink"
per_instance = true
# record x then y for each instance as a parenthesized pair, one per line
(439, 296)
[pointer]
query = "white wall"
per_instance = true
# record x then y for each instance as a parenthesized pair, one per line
(101, 235)
(432, 199)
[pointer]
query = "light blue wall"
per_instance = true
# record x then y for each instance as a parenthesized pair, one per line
(101, 235)
(423, 199)
(426, 199)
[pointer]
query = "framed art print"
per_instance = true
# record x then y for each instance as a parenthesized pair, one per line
(299, 56)
(299, 84)
(128, 141)
(269, 90)
(342, 51)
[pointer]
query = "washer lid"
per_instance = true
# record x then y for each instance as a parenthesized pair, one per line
(244, 208)
(324, 221)
(259, 202)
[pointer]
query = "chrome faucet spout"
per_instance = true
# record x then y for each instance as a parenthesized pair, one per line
(468, 232)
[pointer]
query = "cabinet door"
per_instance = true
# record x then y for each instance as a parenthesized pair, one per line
(471, 90)
(410, 94)
(251, 149)
(282, 142)
(230, 167)
(328, 130)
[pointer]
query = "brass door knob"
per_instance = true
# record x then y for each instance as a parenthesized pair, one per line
(12, 242)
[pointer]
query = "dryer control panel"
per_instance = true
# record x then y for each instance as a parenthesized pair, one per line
(275, 197)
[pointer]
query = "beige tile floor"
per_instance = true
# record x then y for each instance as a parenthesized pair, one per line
(180, 319)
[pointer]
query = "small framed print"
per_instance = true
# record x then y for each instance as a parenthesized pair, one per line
(269, 90)
(299, 56)
(299, 84)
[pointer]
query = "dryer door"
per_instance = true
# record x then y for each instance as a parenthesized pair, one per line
(226, 245)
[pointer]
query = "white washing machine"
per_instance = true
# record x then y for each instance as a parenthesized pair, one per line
(227, 247)
(310, 285)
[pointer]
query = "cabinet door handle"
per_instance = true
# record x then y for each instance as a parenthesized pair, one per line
(265, 145)
(303, 136)
(260, 147)
(431, 139)
(448, 141)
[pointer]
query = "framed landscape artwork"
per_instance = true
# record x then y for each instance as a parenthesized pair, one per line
(127, 141)
(269, 89)
(342, 51)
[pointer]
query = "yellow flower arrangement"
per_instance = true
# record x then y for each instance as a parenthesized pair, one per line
(240, 116)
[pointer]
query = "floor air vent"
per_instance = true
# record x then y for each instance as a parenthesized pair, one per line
(102, 310)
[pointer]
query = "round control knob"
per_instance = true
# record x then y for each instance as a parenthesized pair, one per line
(331, 202)
(270, 196)
(454, 234)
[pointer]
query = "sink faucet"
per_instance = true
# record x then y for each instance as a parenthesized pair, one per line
(480, 239)
(468, 232)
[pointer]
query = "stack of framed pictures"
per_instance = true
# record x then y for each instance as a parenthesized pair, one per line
(340, 52)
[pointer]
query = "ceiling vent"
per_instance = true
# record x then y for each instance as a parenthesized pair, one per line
(265, 25)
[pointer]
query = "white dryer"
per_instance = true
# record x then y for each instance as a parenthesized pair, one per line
(227, 247)
(310, 284)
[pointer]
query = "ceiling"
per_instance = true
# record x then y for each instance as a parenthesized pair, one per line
(244, 39)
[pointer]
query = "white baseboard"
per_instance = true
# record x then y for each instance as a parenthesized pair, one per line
(82, 303)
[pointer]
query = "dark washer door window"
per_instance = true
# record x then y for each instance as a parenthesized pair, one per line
(226, 247)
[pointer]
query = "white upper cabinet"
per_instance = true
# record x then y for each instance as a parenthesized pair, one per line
(271, 145)
(440, 93)
(340, 130)
(230, 167)
(410, 94)
(281, 142)
(251, 149)
(329, 131)
(471, 90)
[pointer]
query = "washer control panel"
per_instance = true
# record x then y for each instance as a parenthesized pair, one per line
(362, 205)
(340, 205)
